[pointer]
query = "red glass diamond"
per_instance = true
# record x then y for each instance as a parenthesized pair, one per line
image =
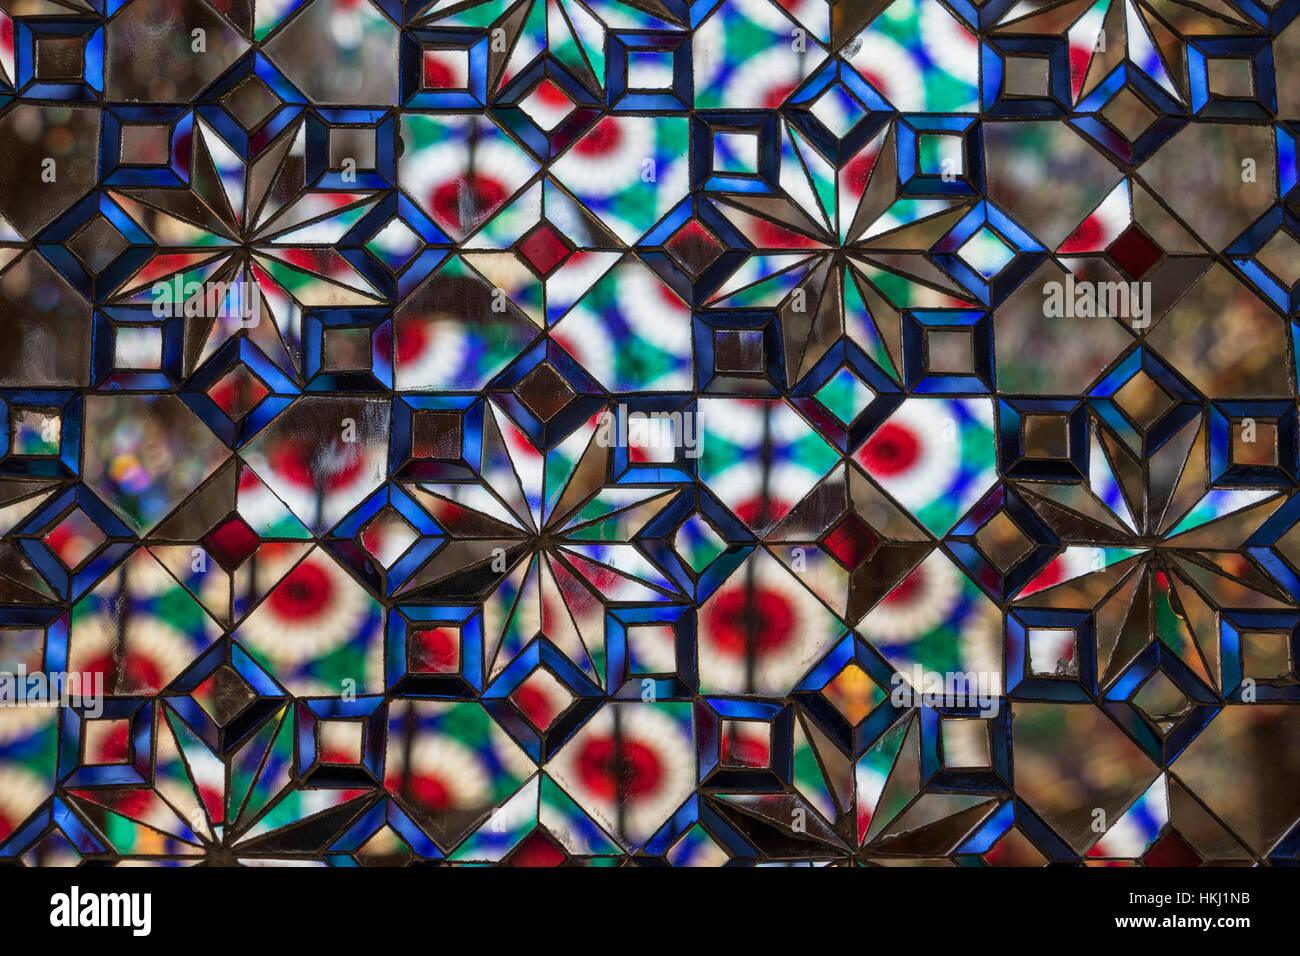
(1135, 253)
(1171, 850)
(537, 849)
(694, 247)
(851, 542)
(231, 542)
(544, 249)
(237, 392)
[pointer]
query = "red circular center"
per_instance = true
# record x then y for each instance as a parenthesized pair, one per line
(303, 593)
(465, 200)
(610, 774)
(603, 138)
(891, 450)
(296, 461)
(137, 673)
(426, 790)
(759, 618)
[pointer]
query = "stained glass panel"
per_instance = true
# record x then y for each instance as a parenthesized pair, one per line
(740, 432)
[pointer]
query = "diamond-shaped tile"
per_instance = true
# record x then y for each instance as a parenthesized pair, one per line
(53, 849)
(652, 649)
(545, 392)
(838, 110)
(444, 69)
(1281, 256)
(1171, 850)
(1013, 848)
(341, 741)
(694, 247)
(35, 431)
(1003, 541)
(1026, 76)
(986, 252)
(541, 698)
(384, 848)
(387, 536)
(1045, 435)
(966, 742)
(1135, 252)
(1053, 652)
(437, 434)
(738, 351)
(1266, 656)
(395, 243)
(746, 744)
(434, 650)
(224, 695)
(547, 105)
(1129, 114)
(853, 693)
(845, 396)
(75, 538)
(1162, 701)
(251, 102)
(851, 541)
(98, 244)
(538, 849)
(60, 58)
(698, 543)
(950, 351)
(106, 741)
(545, 249)
(145, 144)
(1262, 447)
(1143, 399)
(238, 392)
(231, 542)
(1230, 76)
